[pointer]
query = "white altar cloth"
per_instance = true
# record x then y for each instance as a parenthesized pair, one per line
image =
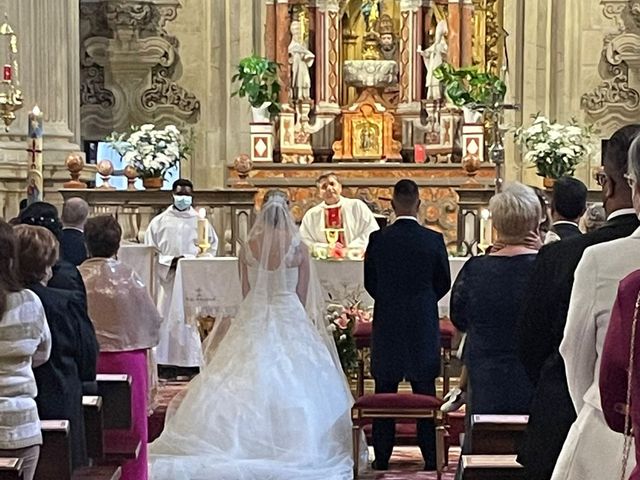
(211, 286)
(142, 259)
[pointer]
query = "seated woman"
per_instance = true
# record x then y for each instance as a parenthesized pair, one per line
(126, 321)
(25, 342)
(485, 301)
(74, 348)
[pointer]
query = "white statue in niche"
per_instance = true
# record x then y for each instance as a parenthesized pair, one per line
(301, 59)
(433, 57)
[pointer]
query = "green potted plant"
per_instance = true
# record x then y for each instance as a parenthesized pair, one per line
(471, 89)
(259, 83)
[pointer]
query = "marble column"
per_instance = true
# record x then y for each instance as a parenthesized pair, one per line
(283, 38)
(466, 37)
(270, 30)
(49, 69)
(455, 13)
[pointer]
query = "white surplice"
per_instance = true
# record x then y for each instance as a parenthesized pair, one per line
(357, 219)
(592, 450)
(174, 234)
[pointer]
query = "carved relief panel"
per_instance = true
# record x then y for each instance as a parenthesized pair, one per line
(616, 100)
(130, 67)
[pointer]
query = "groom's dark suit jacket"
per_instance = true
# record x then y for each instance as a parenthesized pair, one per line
(406, 272)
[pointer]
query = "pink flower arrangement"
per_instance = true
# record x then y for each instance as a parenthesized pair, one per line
(343, 321)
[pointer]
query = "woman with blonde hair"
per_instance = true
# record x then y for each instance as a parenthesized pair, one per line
(485, 300)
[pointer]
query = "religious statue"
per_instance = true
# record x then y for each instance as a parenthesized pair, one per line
(301, 59)
(387, 43)
(433, 57)
(371, 11)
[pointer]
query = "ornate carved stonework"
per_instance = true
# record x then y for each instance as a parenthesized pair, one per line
(616, 100)
(130, 66)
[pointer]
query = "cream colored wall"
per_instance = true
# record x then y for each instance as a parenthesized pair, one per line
(214, 36)
(554, 49)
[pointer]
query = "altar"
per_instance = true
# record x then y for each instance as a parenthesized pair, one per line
(208, 290)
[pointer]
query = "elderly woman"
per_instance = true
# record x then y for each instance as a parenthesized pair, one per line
(485, 299)
(126, 322)
(25, 342)
(74, 348)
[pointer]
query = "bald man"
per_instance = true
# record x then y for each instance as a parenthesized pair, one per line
(74, 215)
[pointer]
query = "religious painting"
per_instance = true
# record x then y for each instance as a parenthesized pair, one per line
(368, 136)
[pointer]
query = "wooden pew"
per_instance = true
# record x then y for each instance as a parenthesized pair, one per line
(119, 444)
(55, 457)
(10, 468)
(496, 434)
(93, 426)
(491, 467)
(115, 391)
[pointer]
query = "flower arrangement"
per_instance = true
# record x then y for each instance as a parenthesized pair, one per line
(152, 152)
(553, 148)
(343, 321)
(259, 82)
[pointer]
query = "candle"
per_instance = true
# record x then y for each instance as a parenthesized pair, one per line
(35, 179)
(6, 73)
(203, 230)
(486, 228)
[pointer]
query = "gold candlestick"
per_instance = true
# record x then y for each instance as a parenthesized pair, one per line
(10, 93)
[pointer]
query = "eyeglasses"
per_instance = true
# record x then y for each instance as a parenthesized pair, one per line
(631, 181)
(600, 177)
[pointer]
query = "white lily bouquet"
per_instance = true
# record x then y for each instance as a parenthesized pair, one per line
(553, 148)
(152, 152)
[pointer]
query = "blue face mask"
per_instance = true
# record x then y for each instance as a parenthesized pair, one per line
(182, 202)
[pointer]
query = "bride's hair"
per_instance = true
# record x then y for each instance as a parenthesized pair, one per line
(272, 198)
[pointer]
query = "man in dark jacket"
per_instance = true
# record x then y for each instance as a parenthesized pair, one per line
(406, 273)
(545, 313)
(568, 204)
(74, 215)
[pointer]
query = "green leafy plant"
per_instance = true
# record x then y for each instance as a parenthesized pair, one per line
(259, 82)
(469, 87)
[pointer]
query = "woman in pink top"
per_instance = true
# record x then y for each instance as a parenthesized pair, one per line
(126, 322)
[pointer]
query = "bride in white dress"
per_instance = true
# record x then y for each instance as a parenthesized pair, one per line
(271, 403)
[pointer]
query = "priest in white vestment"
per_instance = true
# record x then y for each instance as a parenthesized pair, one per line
(174, 234)
(349, 219)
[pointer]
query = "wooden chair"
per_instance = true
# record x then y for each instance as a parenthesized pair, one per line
(491, 467)
(11, 468)
(55, 457)
(496, 434)
(397, 406)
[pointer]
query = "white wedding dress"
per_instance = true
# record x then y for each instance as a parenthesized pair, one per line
(270, 402)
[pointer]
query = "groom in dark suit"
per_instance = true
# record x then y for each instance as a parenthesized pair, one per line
(406, 271)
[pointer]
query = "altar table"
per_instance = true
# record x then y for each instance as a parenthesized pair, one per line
(211, 287)
(142, 259)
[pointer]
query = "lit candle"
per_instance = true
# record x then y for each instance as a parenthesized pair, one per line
(203, 231)
(6, 73)
(35, 179)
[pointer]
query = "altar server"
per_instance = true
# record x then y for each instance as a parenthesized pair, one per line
(345, 220)
(174, 234)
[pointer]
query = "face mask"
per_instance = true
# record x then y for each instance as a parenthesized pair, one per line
(182, 202)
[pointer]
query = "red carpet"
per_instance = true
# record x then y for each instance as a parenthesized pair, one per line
(406, 462)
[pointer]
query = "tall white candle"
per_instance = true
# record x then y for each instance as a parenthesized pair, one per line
(203, 231)
(35, 177)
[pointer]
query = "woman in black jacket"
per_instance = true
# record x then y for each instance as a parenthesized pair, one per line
(74, 348)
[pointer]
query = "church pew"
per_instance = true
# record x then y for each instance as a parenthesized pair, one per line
(115, 391)
(93, 426)
(491, 467)
(10, 468)
(55, 457)
(496, 434)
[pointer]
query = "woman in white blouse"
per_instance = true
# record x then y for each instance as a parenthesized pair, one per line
(25, 341)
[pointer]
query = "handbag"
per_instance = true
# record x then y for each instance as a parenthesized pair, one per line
(628, 434)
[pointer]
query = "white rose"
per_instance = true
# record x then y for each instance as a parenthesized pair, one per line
(172, 129)
(147, 127)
